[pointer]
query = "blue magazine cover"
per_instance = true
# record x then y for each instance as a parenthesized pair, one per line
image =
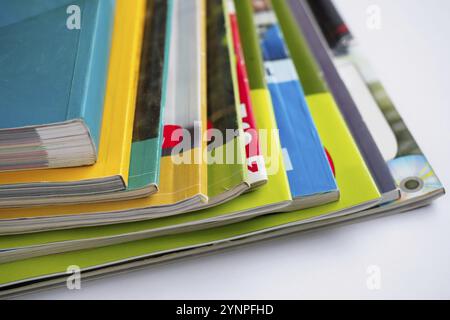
(54, 59)
(309, 172)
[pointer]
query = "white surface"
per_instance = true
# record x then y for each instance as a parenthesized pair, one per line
(411, 54)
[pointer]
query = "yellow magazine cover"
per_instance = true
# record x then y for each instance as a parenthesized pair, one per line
(110, 172)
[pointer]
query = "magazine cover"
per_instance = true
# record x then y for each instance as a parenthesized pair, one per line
(55, 104)
(409, 167)
(309, 171)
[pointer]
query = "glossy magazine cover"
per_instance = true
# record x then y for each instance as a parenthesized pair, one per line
(309, 171)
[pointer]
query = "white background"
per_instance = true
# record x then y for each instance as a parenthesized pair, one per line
(411, 55)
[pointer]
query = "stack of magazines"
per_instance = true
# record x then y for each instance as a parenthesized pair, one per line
(137, 132)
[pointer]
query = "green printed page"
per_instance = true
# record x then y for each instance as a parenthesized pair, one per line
(228, 168)
(357, 187)
(276, 191)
